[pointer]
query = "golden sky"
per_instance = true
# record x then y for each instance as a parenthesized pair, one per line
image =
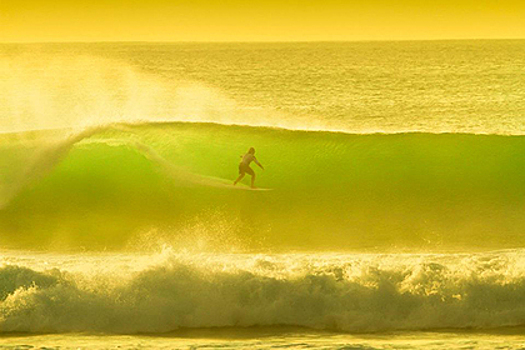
(257, 20)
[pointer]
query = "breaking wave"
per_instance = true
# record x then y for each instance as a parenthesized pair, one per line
(104, 186)
(351, 293)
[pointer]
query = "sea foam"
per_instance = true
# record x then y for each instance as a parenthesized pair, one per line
(351, 293)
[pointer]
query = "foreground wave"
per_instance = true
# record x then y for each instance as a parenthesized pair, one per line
(351, 293)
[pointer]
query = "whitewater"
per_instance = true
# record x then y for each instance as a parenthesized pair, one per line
(395, 218)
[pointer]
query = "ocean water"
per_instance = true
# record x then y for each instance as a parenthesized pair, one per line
(394, 217)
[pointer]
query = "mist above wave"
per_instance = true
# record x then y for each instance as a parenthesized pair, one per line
(79, 91)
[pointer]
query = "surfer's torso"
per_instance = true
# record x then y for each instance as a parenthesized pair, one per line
(247, 159)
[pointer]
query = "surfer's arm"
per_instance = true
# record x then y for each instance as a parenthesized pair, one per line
(259, 164)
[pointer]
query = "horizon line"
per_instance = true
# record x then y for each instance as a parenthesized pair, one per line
(250, 42)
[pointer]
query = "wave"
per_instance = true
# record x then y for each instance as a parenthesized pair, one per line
(351, 293)
(332, 190)
(45, 159)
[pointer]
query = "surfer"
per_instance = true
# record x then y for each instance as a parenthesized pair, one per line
(244, 166)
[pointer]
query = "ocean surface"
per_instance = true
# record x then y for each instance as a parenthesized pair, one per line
(392, 216)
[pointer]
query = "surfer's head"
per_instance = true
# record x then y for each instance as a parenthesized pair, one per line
(251, 150)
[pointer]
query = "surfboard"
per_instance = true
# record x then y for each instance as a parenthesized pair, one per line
(259, 189)
(229, 184)
(240, 186)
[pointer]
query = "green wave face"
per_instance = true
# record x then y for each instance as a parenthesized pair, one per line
(125, 186)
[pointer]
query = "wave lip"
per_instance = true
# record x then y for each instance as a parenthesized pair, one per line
(348, 293)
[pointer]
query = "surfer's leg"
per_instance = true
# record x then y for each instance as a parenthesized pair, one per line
(238, 179)
(242, 172)
(252, 173)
